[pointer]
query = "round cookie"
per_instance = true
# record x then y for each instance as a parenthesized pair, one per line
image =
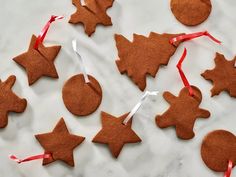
(217, 149)
(191, 12)
(82, 98)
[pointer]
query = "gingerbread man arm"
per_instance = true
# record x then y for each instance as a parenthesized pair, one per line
(10, 81)
(169, 97)
(202, 113)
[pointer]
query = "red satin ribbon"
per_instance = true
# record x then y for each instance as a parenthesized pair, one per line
(191, 36)
(229, 170)
(36, 157)
(182, 75)
(44, 31)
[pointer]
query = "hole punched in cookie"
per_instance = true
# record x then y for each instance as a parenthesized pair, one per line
(82, 94)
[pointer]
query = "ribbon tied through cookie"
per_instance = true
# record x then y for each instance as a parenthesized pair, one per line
(31, 158)
(229, 170)
(187, 37)
(182, 75)
(138, 105)
(44, 31)
(76, 50)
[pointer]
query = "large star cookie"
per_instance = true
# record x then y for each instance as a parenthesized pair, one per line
(9, 101)
(144, 55)
(115, 134)
(59, 143)
(91, 14)
(183, 112)
(38, 63)
(223, 76)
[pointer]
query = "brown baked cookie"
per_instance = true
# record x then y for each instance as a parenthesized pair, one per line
(60, 144)
(218, 148)
(144, 55)
(223, 76)
(191, 12)
(183, 112)
(38, 63)
(82, 98)
(115, 134)
(91, 14)
(10, 102)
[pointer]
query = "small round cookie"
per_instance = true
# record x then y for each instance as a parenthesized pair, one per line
(82, 98)
(191, 12)
(218, 147)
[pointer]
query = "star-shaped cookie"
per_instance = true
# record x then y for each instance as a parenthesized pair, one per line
(91, 14)
(115, 134)
(9, 101)
(144, 55)
(38, 63)
(60, 144)
(183, 112)
(223, 76)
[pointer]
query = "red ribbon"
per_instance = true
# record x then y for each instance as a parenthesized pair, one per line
(191, 36)
(182, 75)
(44, 31)
(229, 170)
(36, 157)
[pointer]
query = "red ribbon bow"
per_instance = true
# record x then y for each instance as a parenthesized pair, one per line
(44, 31)
(36, 157)
(191, 36)
(229, 170)
(182, 75)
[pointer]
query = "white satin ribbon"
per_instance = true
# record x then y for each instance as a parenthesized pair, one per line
(138, 105)
(76, 50)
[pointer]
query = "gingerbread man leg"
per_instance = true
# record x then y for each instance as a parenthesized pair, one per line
(3, 120)
(185, 130)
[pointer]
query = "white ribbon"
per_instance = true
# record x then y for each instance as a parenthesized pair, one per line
(76, 50)
(138, 105)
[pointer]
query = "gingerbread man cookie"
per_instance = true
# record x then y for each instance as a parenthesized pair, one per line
(183, 112)
(10, 102)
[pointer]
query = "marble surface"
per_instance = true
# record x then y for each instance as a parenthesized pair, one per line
(161, 154)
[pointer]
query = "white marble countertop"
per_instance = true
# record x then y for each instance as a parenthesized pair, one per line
(161, 154)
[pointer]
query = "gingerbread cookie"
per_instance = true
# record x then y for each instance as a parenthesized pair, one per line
(223, 76)
(115, 134)
(60, 144)
(91, 14)
(38, 63)
(218, 148)
(10, 102)
(144, 55)
(191, 12)
(183, 112)
(82, 98)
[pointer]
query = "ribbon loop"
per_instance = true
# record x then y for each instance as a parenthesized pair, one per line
(76, 50)
(36, 157)
(182, 75)
(229, 170)
(138, 105)
(191, 36)
(44, 31)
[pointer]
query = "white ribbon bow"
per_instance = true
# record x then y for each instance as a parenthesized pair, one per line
(76, 50)
(138, 105)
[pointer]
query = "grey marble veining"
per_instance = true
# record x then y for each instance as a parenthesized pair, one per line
(161, 154)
